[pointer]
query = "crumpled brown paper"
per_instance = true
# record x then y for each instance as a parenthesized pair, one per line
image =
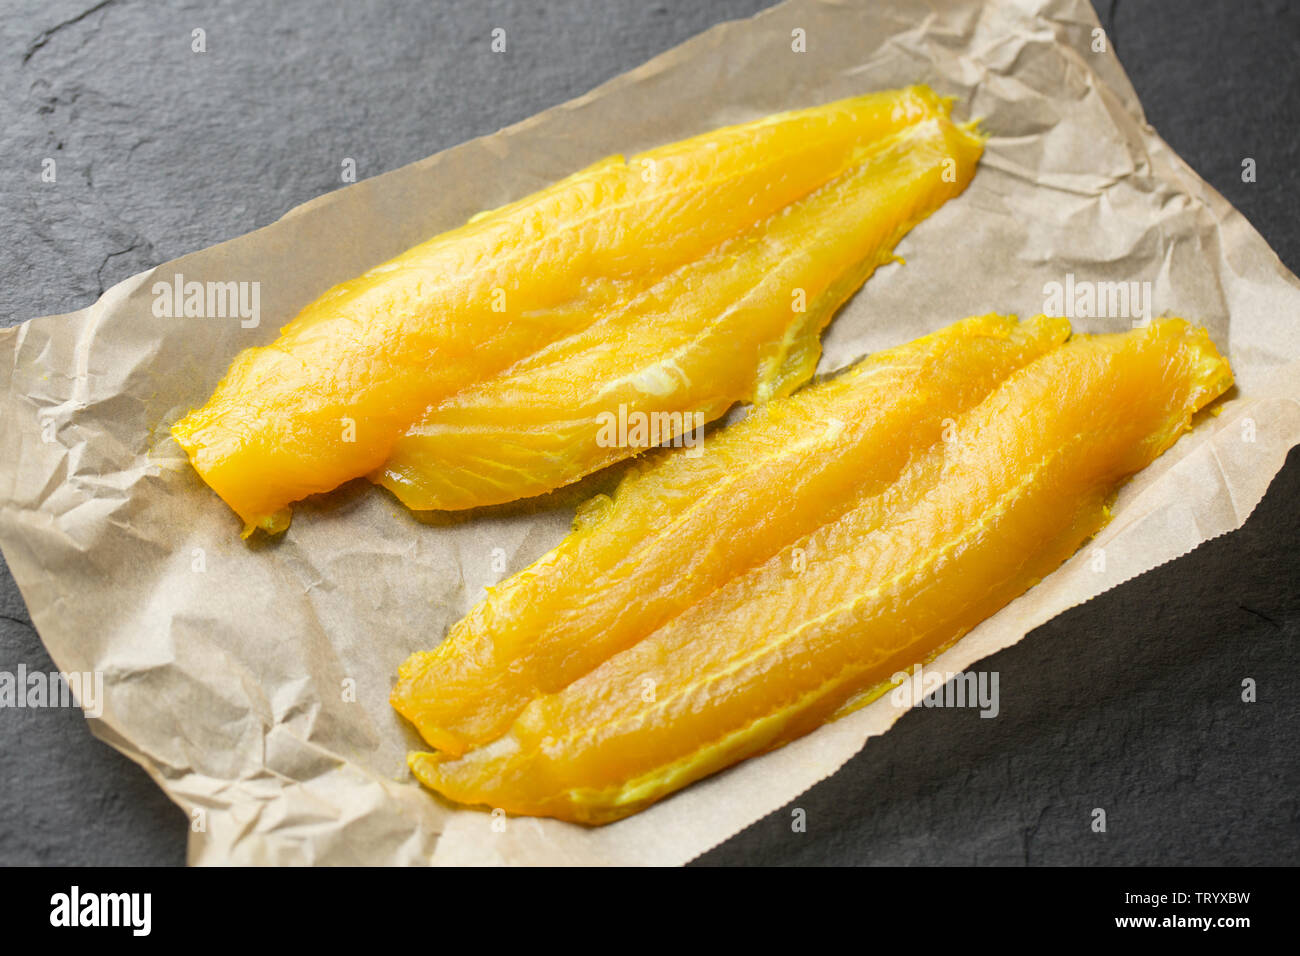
(251, 681)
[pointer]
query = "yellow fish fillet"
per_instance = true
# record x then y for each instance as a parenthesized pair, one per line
(681, 526)
(742, 322)
(363, 364)
(1013, 487)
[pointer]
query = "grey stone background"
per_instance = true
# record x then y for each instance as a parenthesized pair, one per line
(1130, 703)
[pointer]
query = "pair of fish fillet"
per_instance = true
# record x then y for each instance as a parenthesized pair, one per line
(475, 369)
(722, 605)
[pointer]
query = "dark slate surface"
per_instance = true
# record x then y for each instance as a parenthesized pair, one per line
(1130, 703)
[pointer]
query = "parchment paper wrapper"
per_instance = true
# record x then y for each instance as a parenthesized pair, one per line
(251, 681)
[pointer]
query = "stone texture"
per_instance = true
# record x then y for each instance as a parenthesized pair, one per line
(1130, 703)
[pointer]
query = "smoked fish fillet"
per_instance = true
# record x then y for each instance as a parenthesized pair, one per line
(740, 323)
(1013, 487)
(326, 401)
(681, 526)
